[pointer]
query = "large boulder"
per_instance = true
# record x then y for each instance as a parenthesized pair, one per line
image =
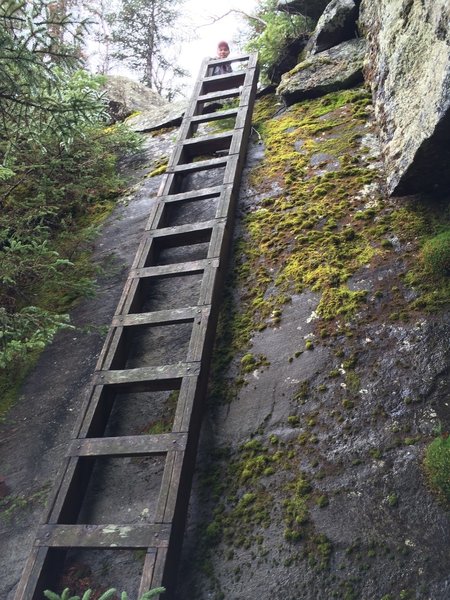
(308, 8)
(287, 58)
(338, 68)
(126, 96)
(409, 69)
(158, 117)
(337, 24)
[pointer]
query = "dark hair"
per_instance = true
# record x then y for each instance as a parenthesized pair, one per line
(224, 44)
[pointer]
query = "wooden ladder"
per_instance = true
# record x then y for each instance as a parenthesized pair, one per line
(187, 236)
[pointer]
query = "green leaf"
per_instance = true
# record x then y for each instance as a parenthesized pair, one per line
(152, 593)
(51, 595)
(108, 594)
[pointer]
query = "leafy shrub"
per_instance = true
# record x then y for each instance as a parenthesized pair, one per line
(271, 32)
(58, 173)
(436, 254)
(26, 331)
(437, 465)
(45, 232)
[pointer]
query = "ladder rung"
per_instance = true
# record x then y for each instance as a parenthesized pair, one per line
(201, 165)
(216, 83)
(215, 116)
(133, 445)
(139, 535)
(223, 61)
(208, 143)
(160, 317)
(202, 194)
(182, 230)
(223, 95)
(174, 269)
(128, 377)
(238, 75)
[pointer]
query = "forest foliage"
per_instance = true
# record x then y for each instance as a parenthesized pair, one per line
(270, 32)
(146, 35)
(57, 165)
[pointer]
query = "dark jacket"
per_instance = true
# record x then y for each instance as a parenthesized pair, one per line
(221, 69)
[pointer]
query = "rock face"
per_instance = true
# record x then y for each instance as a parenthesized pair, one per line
(157, 117)
(309, 8)
(409, 69)
(126, 96)
(288, 58)
(334, 69)
(337, 24)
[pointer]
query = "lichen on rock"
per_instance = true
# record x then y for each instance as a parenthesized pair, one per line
(408, 67)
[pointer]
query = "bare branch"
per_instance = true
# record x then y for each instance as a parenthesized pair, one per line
(239, 12)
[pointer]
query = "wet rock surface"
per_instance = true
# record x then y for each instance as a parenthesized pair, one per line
(338, 68)
(35, 434)
(408, 67)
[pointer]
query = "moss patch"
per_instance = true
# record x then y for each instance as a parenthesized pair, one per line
(159, 168)
(437, 466)
(242, 485)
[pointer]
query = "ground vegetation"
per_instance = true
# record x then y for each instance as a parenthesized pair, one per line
(58, 178)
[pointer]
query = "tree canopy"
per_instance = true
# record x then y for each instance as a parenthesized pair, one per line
(270, 31)
(41, 91)
(144, 34)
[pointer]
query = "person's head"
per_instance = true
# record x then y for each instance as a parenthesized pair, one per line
(223, 50)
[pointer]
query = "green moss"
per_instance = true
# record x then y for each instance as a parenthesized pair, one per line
(250, 362)
(340, 301)
(352, 381)
(265, 108)
(410, 441)
(322, 501)
(12, 504)
(302, 392)
(425, 226)
(316, 234)
(436, 254)
(319, 553)
(318, 255)
(437, 466)
(164, 425)
(159, 168)
(392, 499)
(296, 508)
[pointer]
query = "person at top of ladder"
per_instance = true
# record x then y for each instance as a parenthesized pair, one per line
(223, 50)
